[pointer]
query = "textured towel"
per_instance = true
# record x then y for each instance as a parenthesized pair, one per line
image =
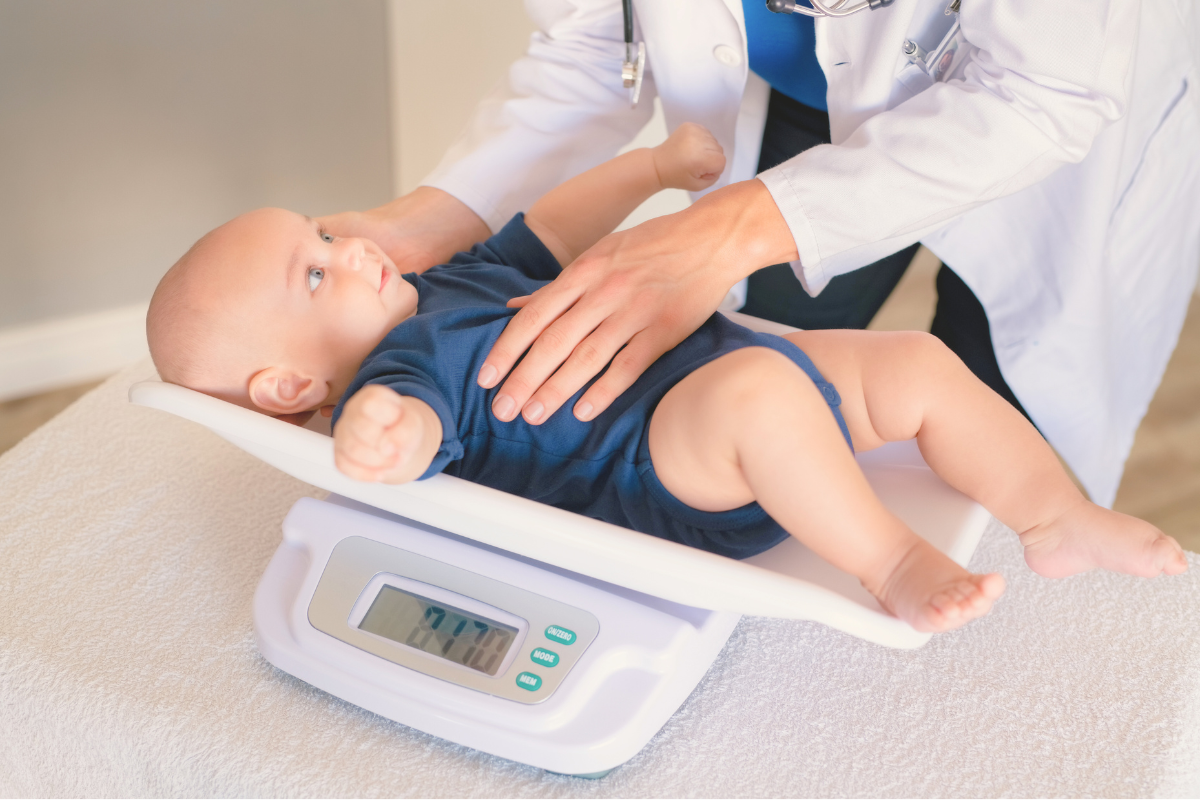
(131, 542)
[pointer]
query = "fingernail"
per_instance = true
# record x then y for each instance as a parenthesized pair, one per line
(487, 376)
(503, 407)
(583, 411)
(534, 411)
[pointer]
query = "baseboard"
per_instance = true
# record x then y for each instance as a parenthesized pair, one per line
(50, 355)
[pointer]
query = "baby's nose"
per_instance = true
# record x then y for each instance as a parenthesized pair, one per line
(353, 254)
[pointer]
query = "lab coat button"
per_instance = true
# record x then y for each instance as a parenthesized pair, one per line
(727, 55)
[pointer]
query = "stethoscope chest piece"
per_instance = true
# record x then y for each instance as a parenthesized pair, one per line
(633, 69)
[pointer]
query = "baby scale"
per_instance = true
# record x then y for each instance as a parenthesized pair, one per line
(522, 630)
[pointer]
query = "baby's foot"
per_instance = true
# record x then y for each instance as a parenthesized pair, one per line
(932, 593)
(1088, 536)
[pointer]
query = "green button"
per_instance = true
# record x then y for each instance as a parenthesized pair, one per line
(529, 681)
(561, 635)
(547, 658)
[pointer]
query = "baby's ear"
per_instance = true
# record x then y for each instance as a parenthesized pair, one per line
(280, 391)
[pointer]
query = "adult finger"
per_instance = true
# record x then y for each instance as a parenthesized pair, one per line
(585, 362)
(626, 367)
(519, 302)
(551, 349)
(544, 307)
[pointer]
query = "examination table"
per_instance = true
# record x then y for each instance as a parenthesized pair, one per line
(131, 542)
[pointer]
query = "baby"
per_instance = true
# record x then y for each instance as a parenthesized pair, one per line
(730, 442)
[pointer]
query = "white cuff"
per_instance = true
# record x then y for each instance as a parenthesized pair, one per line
(808, 267)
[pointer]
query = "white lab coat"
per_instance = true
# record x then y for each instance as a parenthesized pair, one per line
(1057, 171)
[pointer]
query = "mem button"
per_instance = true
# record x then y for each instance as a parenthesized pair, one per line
(547, 658)
(560, 635)
(529, 681)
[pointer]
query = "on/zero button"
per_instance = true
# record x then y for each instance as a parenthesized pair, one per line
(560, 635)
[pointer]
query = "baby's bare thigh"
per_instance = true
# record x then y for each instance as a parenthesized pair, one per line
(694, 427)
(738, 406)
(883, 377)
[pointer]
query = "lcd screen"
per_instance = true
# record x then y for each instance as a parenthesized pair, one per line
(439, 629)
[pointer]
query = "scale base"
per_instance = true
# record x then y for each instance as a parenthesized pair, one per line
(647, 657)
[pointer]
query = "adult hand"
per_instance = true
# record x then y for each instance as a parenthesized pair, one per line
(629, 299)
(418, 230)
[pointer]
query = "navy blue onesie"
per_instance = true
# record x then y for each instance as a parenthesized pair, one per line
(600, 468)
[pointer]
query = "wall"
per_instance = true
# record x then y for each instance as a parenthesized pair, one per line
(445, 58)
(128, 128)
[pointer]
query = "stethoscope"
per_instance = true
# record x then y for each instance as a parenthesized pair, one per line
(634, 65)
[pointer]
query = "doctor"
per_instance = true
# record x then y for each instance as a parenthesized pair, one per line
(1046, 151)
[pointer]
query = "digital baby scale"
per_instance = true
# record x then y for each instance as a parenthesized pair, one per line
(480, 647)
(522, 630)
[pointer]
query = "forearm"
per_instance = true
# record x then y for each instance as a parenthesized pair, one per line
(417, 230)
(445, 223)
(578, 213)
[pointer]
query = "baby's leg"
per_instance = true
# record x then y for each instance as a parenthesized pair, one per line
(752, 426)
(904, 385)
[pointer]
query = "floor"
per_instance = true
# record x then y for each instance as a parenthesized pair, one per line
(1162, 478)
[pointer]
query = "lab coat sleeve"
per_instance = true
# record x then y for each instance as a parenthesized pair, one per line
(1046, 78)
(561, 110)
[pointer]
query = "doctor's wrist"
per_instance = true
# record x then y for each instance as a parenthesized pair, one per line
(744, 227)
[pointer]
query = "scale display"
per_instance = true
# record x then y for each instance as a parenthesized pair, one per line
(439, 629)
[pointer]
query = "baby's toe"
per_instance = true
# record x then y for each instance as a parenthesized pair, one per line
(992, 585)
(964, 601)
(1172, 557)
(949, 608)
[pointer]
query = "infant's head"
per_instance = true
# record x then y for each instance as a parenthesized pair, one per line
(272, 313)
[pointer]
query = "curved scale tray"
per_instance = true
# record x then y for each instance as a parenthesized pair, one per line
(788, 581)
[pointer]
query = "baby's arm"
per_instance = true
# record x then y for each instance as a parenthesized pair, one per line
(384, 436)
(580, 212)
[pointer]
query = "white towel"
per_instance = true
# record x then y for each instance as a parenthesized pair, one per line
(131, 542)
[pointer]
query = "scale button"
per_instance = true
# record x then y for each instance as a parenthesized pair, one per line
(560, 635)
(529, 681)
(547, 658)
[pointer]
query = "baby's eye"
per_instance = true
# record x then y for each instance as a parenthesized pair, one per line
(315, 276)
(327, 237)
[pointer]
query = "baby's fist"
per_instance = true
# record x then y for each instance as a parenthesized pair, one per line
(691, 158)
(383, 436)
